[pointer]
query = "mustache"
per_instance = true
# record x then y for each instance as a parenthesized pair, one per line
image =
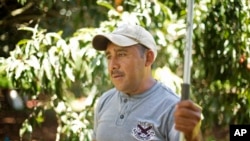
(116, 72)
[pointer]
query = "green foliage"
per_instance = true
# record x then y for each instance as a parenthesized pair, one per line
(64, 71)
(221, 78)
(52, 15)
(225, 40)
(4, 80)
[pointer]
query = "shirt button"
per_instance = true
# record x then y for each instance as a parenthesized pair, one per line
(125, 100)
(121, 116)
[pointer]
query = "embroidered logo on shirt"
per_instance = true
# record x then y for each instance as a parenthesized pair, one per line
(143, 131)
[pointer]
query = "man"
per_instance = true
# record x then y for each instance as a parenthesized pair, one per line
(139, 108)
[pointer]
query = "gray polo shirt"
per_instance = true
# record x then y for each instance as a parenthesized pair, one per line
(144, 117)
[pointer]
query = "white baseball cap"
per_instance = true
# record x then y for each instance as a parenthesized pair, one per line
(126, 35)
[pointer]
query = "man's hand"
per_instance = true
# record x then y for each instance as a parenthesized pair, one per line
(188, 116)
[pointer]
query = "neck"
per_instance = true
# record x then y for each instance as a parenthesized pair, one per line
(146, 86)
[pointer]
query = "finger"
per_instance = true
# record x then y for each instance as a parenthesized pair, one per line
(189, 127)
(184, 129)
(189, 104)
(187, 113)
(183, 123)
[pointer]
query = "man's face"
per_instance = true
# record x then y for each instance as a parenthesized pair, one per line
(126, 66)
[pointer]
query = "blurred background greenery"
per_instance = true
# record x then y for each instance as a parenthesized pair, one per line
(47, 59)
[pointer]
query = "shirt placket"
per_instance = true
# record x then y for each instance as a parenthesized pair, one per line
(123, 111)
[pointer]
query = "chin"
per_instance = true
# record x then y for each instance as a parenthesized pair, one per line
(120, 88)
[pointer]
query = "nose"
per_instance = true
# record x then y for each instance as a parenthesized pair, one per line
(113, 63)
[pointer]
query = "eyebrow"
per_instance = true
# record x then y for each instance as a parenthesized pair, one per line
(118, 50)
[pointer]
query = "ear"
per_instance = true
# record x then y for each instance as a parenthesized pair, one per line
(149, 58)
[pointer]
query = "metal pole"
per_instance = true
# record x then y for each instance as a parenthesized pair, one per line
(188, 52)
(185, 87)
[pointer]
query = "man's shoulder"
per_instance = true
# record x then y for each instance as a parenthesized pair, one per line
(108, 95)
(167, 91)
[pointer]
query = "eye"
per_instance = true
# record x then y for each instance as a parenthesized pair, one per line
(108, 56)
(121, 54)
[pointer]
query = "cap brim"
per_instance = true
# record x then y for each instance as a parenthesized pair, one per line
(101, 41)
